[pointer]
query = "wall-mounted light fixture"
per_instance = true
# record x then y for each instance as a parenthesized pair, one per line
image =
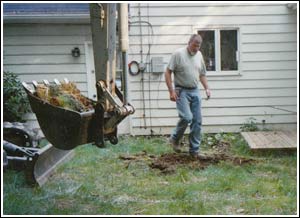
(75, 52)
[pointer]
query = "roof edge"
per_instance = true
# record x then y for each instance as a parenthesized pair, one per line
(70, 18)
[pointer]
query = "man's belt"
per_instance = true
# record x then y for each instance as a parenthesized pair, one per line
(182, 87)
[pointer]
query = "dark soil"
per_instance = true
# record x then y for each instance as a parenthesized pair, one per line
(167, 163)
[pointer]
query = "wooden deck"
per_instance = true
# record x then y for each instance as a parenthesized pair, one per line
(271, 140)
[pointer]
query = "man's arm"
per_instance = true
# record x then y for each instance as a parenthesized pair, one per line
(203, 81)
(168, 78)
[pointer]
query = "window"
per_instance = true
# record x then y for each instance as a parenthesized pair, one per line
(208, 49)
(228, 49)
(220, 49)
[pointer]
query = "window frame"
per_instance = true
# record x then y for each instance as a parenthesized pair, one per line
(217, 32)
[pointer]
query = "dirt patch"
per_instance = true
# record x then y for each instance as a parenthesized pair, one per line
(167, 163)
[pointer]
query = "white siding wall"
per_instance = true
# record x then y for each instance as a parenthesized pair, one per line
(43, 51)
(265, 88)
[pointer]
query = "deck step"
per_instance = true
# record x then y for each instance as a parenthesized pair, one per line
(271, 139)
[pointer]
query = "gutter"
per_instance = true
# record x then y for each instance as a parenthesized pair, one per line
(55, 18)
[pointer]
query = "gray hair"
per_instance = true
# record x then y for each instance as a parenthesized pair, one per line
(195, 37)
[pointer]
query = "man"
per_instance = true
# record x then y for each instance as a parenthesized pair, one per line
(188, 67)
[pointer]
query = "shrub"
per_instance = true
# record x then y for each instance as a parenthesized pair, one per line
(250, 125)
(14, 98)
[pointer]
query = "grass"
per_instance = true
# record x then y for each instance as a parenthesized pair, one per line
(97, 182)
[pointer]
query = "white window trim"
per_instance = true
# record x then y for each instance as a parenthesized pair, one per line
(218, 72)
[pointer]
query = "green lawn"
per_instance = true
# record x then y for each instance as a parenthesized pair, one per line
(120, 180)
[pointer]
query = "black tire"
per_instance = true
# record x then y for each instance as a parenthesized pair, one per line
(17, 136)
(113, 140)
(100, 144)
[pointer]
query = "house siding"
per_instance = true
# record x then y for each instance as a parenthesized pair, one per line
(265, 87)
(43, 51)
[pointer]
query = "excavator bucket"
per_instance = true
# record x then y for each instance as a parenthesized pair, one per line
(65, 129)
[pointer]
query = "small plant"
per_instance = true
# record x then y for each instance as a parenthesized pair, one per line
(14, 98)
(250, 125)
(211, 139)
(218, 139)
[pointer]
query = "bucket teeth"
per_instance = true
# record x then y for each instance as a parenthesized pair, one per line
(35, 84)
(46, 82)
(26, 86)
(56, 82)
(66, 80)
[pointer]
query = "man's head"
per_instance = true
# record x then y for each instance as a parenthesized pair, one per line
(194, 44)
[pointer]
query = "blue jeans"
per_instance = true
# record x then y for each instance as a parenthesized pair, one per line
(189, 110)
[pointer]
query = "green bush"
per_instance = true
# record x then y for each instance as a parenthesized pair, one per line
(250, 125)
(14, 98)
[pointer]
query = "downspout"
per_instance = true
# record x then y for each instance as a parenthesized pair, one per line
(123, 20)
(141, 64)
(124, 44)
